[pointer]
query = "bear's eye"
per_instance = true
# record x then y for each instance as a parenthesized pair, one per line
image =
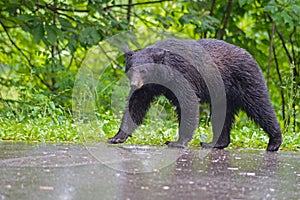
(158, 56)
(142, 71)
(129, 73)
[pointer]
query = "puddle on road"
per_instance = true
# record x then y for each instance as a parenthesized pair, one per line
(115, 172)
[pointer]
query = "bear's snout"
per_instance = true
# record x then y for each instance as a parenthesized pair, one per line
(136, 81)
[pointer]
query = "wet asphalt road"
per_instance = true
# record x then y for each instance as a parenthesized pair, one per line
(139, 172)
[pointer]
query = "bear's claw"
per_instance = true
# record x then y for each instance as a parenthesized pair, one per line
(120, 137)
(274, 144)
(175, 145)
(210, 145)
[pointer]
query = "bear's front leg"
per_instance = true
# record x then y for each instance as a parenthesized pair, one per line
(126, 129)
(120, 137)
(134, 114)
(188, 121)
(222, 140)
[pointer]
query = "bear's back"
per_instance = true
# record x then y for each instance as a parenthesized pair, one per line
(222, 48)
(225, 54)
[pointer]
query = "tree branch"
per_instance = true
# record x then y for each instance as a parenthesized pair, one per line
(129, 10)
(295, 75)
(283, 44)
(293, 51)
(56, 9)
(211, 11)
(213, 4)
(270, 51)
(134, 4)
(226, 19)
(281, 83)
(23, 54)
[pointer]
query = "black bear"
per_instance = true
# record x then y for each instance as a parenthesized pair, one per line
(171, 68)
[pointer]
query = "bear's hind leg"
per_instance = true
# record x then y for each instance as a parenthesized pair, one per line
(261, 111)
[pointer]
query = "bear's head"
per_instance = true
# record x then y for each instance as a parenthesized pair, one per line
(138, 65)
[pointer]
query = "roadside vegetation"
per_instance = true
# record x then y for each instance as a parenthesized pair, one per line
(43, 44)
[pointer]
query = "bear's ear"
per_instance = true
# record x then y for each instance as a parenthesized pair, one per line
(158, 56)
(128, 52)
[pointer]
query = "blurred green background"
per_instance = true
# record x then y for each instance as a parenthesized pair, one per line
(43, 43)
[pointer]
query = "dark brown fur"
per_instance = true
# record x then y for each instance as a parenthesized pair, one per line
(245, 89)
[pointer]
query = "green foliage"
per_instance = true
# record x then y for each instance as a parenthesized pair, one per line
(43, 44)
(40, 121)
(48, 40)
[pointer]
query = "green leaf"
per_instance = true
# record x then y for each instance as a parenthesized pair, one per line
(65, 23)
(38, 32)
(242, 2)
(51, 34)
(271, 7)
(72, 42)
(24, 18)
(13, 1)
(287, 19)
(89, 36)
(296, 9)
(184, 19)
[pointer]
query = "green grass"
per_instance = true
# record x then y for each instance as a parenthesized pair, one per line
(63, 129)
(44, 122)
(43, 129)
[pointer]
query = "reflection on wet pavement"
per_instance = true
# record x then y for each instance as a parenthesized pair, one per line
(141, 172)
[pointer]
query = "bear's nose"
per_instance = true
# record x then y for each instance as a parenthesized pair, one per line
(136, 84)
(136, 81)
